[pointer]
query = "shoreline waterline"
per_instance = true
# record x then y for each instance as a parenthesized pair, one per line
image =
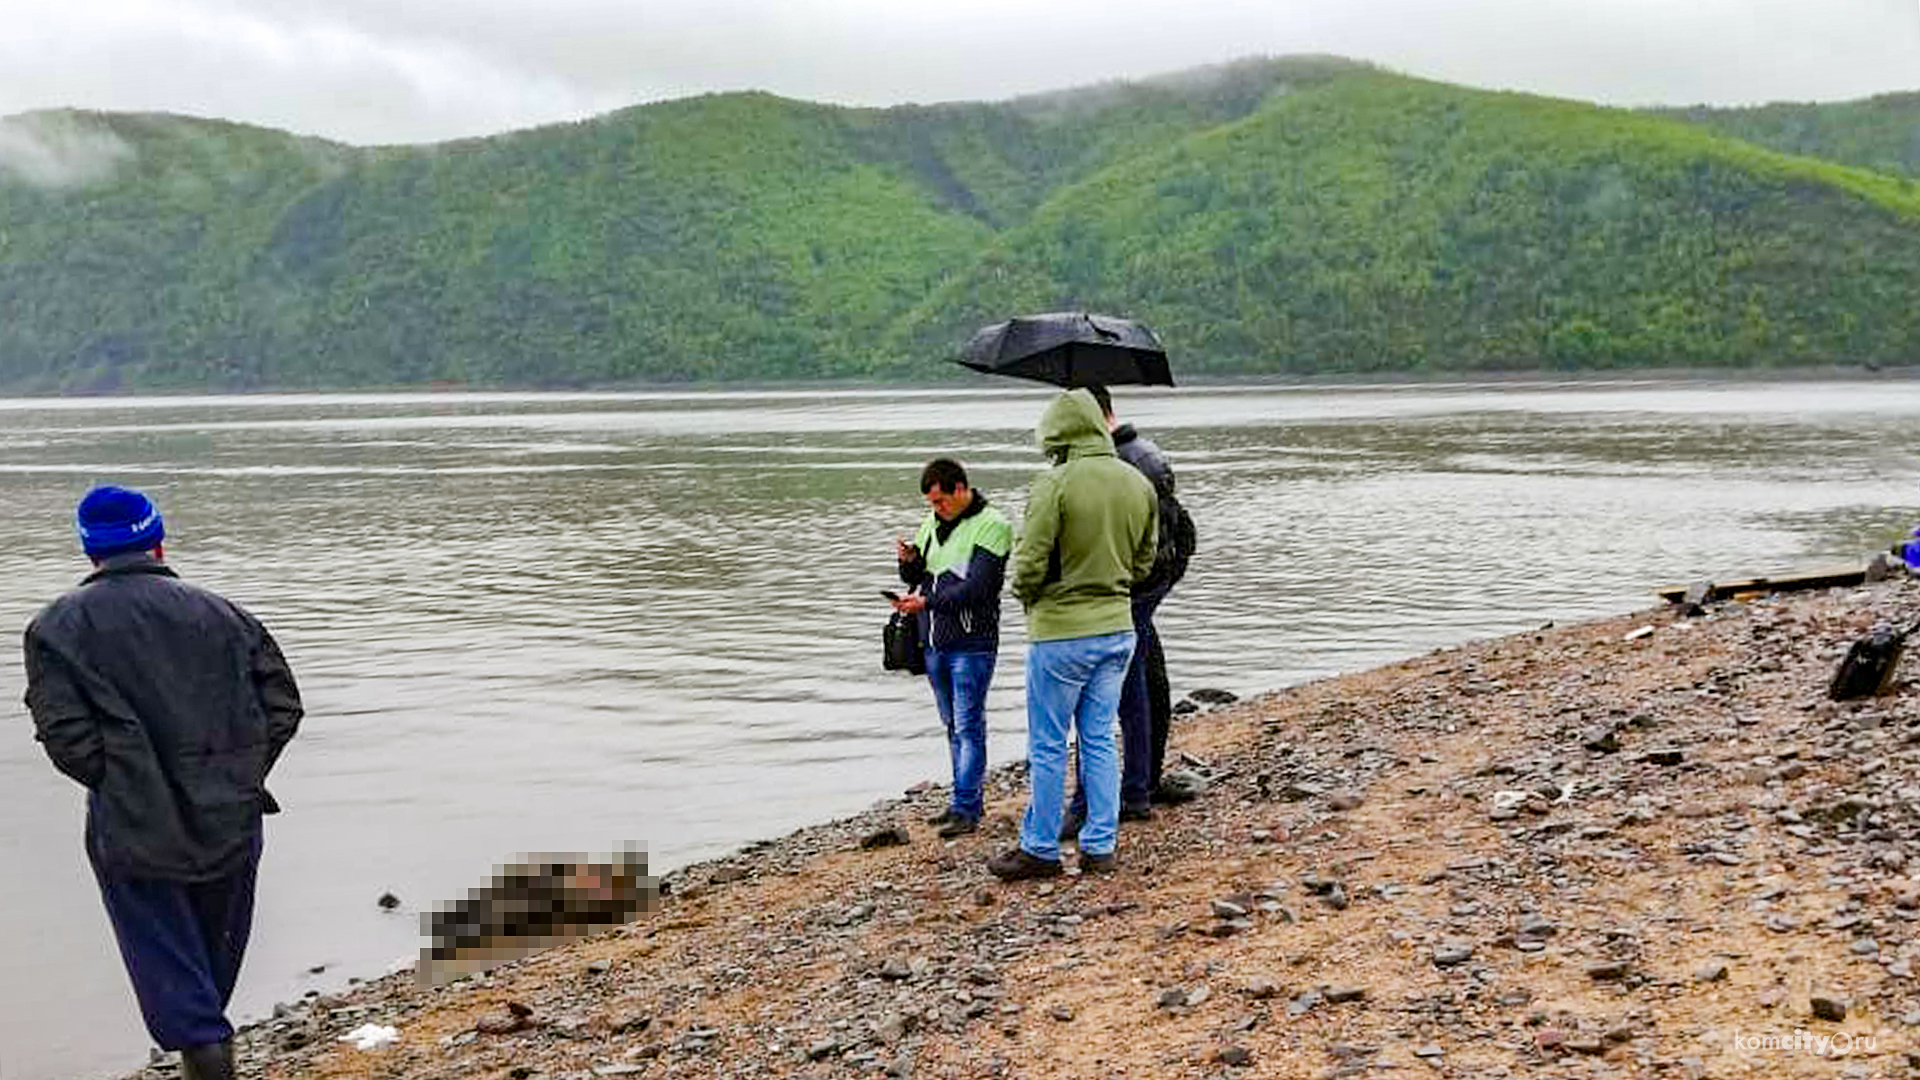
(1355, 855)
(982, 385)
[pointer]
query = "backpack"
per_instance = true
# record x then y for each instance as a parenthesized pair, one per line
(1178, 541)
(1870, 663)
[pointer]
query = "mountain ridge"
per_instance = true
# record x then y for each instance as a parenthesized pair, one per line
(1281, 215)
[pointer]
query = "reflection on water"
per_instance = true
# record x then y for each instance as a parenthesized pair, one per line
(574, 622)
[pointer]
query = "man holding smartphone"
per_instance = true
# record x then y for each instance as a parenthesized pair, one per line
(956, 564)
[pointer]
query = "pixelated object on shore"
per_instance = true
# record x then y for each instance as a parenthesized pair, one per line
(538, 902)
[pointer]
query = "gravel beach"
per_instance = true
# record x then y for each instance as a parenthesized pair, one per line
(1643, 846)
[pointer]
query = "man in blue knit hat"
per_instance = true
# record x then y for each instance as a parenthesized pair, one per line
(170, 705)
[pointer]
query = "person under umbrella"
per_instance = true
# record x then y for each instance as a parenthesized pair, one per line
(1146, 700)
(1087, 538)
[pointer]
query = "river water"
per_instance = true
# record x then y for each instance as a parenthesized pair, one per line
(552, 622)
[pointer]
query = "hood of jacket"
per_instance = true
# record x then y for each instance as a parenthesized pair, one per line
(1072, 427)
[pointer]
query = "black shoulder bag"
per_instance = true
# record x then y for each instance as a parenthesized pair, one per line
(901, 645)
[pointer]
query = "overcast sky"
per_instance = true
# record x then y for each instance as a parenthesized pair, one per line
(369, 71)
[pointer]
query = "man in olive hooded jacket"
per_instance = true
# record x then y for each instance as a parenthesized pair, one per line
(1089, 534)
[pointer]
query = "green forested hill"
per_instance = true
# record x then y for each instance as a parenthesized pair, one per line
(126, 241)
(1385, 224)
(1881, 133)
(1279, 215)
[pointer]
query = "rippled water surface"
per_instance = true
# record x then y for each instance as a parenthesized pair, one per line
(574, 622)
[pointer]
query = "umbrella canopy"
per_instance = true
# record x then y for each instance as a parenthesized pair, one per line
(1070, 348)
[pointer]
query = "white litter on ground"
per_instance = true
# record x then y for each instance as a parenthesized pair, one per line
(371, 1036)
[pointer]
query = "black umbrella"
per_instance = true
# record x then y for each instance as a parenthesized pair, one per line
(1070, 348)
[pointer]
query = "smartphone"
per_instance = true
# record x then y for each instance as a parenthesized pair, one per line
(891, 595)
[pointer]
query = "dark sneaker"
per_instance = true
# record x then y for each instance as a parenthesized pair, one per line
(1015, 864)
(1070, 830)
(1098, 864)
(955, 825)
(1136, 813)
(214, 1061)
(942, 817)
(1179, 786)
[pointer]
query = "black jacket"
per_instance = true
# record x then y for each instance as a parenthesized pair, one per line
(1175, 545)
(170, 704)
(963, 611)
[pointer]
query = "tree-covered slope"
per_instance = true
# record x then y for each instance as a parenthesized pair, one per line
(1880, 133)
(1382, 223)
(125, 239)
(1274, 215)
(1000, 161)
(722, 237)
(718, 237)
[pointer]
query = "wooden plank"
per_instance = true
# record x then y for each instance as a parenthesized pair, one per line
(1830, 577)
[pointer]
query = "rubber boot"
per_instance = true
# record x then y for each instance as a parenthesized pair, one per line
(214, 1061)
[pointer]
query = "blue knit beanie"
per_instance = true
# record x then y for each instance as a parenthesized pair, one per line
(116, 519)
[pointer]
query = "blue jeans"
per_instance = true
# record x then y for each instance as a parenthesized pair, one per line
(1140, 743)
(960, 682)
(1074, 684)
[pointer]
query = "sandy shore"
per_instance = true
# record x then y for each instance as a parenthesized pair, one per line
(1589, 851)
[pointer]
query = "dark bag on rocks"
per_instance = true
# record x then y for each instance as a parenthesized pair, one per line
(1868, 668)
(901, 647)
